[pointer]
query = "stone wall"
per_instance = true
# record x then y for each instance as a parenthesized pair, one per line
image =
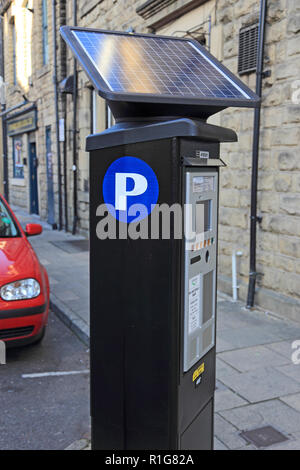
(278, 236)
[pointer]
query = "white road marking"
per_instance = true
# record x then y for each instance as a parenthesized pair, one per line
(54, 374)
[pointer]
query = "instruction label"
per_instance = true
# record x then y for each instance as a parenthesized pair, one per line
(194, 303)
(202, 184)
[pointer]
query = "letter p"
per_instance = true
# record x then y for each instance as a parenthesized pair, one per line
(121, 192)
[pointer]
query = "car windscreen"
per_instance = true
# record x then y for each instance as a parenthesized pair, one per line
(8, 228)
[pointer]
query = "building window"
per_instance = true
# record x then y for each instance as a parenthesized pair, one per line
(248, 48)
(14, 44)
(45, 32)
(18, 169)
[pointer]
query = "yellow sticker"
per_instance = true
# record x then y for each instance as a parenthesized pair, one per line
(198, 372)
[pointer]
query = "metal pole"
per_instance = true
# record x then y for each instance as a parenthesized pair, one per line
(255, 155)
(57, 115)
(4, 129)
(65, 167)
(75, 216)
(5, 159)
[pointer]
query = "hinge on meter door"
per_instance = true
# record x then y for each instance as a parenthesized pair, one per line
(196, 161)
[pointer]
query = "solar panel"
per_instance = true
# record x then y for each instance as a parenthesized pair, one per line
(155, 65)
(157, 69)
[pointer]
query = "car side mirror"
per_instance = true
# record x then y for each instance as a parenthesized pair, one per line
(33, 229)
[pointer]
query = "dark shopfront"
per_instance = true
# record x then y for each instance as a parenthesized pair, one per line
(23, 158)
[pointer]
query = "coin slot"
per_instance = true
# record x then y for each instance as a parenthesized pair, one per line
(195, 259)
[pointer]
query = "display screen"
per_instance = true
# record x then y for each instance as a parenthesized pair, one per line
(203, 216)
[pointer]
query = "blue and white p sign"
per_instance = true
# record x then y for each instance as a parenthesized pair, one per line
(131, 187)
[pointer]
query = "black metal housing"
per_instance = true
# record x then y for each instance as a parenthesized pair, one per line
(140, 396)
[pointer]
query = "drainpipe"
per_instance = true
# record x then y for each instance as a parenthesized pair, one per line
(57, 115)
(5, 159)
(3, 110)
(63, 100)
(75, 213)
(254, 219)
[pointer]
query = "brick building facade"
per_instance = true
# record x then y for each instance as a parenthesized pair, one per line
(29, 70)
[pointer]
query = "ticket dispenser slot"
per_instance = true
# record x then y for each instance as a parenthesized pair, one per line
(200, 264)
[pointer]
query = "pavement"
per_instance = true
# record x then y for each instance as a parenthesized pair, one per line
(257, 400)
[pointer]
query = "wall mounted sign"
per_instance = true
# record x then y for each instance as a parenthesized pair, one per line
(22, 123)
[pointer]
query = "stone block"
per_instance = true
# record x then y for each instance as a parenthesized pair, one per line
(286, 137)
(271, 413)
(287, 160)
(290, 204)
(263, 384)
(293, 24)
(249, 359)
(282, 182)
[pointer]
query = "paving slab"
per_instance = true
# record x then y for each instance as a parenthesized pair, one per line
(222, 345)
(270, 413)
(291, 370)
(227, 433)
(218, 445)
(292, 400)
(253, 358)
(226, 399)
(282, 347)
(262, 384)
(224, 370)
(257, 335)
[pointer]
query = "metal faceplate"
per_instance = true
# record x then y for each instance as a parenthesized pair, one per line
(200, 264)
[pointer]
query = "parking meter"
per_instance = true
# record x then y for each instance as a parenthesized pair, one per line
(154, 182)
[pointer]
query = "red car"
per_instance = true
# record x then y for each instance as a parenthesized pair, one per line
(24, 284)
